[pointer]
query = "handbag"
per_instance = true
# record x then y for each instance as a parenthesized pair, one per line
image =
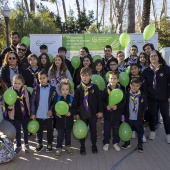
(84, 114)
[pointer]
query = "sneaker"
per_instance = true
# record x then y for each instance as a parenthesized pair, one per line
(82, 150)
(140, 148)
(27, 148)
(58, 152)
(94, 149)
(17, 150)
(168, 138)
(39, 147)
(144, 139)
(133, 134)
(106, 147)
(152, 135)
(125, 146)
(116, 147)
(49, 148)
(69, 150)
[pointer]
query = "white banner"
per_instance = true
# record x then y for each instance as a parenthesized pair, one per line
(53, 42)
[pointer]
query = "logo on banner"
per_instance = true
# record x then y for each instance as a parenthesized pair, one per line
(94, 39)
(38, 42)
(132, 42)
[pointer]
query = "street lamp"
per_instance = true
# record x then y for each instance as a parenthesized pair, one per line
(6, 13)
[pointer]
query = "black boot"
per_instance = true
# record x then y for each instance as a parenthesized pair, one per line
(94, 149)
(82, 150)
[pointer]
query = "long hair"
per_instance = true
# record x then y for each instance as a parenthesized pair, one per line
(3, 87)
(53, 67)
(94, 67)
(146, 57)
(47, 65)
(91, 61)
(5, 62)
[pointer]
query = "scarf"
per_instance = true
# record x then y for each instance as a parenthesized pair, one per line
(20, 99)
(12, 47)
(121, 68)
(135, 97)
(154, 71)
(34, 74)
(58, 79)
(132, 60)
(86, 94)
(14, 69)
(107, 60)
(3, 107)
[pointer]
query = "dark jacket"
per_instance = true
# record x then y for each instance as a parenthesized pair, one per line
(67, 121)
(106, 66)
(114, 115)
(141, 108)
(11, 48)
(69, 66)
(127, 60)
(5, 74)
(162, 91)
(94, 98)
(29, 79)
(35, 98)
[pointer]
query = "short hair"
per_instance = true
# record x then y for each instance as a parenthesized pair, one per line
(43, 72)
(135, 80)
(108, 46)
(149, 44)
(65, 81)
(113, 60)
(135, 64)
(119, 52)
(21, 44)
(32, 55)
(43, 46)
(116, 73)
(14, 33)
(62, 49)
(86, 70)
(18, 77)
(135, 46)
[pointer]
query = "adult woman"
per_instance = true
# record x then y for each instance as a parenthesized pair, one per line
(157, 89)
(11, 66)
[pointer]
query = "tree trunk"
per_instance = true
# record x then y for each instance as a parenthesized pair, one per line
(145, 14)
(164, 9)
(103, 11)
(27, 8)
(131, 16)
(78, 7)
(97, 13)
(111, 14)
(58, 13)
(64, 9)
(32, 5)
(154, 13)
(83, 6)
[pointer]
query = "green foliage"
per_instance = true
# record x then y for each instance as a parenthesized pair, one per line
(164, 32)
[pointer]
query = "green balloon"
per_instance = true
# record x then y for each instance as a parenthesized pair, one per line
(115, 97)
(124, 79)
(75, 61)
(33, 126)
(25, 40)
(99, 81)
(50, 57)
(125, 132)
(10, 96)
(149, 31)
(107, 76)
(80, 129)
(97, 57)
(72, 86)
(61, 108)
(124, 39)
(127, 70)
(30, 89)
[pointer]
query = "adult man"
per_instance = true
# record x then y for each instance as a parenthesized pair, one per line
(15, 39)
(147, 48)
(108, 56)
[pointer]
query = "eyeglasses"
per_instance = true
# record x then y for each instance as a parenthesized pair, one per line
(12, 58)
(113, 64)
(21, 49)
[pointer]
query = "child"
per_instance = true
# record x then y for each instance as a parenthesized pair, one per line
(43, 49)
(143, 61)
(44, 62)
(58, 71)
(64, 123)
(89, 102)
(135, 109)
(98, 68)
(121, 63)
(133, 55)
(113, 64)
(42, 104)
(31, 73)
(20, 112)
(112, 115)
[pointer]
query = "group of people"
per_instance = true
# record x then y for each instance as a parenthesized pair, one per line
(147, 94)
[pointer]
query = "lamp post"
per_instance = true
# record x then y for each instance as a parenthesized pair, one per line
(6, 13)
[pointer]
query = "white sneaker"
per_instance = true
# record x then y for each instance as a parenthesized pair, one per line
(152, 135)
(116, 147)
(144, 139)
(168, 138)
(106, 147)
(133, 134)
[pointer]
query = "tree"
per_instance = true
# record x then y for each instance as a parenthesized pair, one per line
(145, 14)
(131, 16)
(27, 8)
(78, 7)
(64, 9)
(32, 5)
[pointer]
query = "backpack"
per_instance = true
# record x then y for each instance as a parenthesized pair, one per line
(71, 99)
(6, 150)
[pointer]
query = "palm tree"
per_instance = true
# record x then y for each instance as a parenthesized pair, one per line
(64, 9)
(131, 16)
(32, 5)
(145, 14)
(27, 7)
(78, 7)
(55, 1)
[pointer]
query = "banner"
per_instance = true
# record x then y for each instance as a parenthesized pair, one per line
(53, 42)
